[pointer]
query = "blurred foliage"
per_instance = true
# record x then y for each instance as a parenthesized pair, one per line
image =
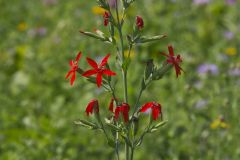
(38, 106)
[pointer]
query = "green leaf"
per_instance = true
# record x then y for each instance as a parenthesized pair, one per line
(158, 73)
(98, 36)
(160, 124)
(148, 69)
(144, 39)
(113, 127)
(139, 142)
(86, 124)
(153, 130)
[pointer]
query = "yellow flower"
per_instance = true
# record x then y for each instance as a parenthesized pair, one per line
(22, 26)
(98, 10)
(218, 123)
(131, 55)
(231, 51)
(215, 124)
(224, 125)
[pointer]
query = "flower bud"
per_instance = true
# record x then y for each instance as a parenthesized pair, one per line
(92, 107)
(139, 22)
(106, 17)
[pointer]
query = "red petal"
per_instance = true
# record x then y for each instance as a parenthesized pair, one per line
(179, 59)
(109, 72)
(177, 69)
(126, 109)
(73, 78)
(92, 63)
(146, 107)
(155, 113)
(104, 60)
(71, 63)
(89, 73)
(170, 50)
(69, 73)
(99, 79)
(89, 108)
(92, 106)
(116, 115)
(78, 56)
(170, 61)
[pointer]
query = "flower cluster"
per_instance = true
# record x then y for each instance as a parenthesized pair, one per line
(122, 116)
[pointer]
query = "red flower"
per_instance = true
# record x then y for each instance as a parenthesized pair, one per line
(99, 70)
(124, 108)
(74, 67)
(139, 22)
(92, 107)
(156, 109)
(171, 59)
(106, 17)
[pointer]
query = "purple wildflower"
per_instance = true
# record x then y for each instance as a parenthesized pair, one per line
(201, 2)
(208, 68)
(230, 2)
(228, 35)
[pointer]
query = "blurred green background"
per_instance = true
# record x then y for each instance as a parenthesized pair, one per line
(38, 106)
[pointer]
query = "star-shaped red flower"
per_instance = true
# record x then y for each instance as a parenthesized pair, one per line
(156, 109)
(175, 61)
(74, 67)
(99, 70)
(124, 109)
(92, 107)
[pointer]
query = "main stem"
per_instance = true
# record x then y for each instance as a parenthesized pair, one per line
(132, 153)
(124, 71)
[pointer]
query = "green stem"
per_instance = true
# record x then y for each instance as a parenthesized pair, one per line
(126, 151)
(132, 153)
(138, 99)
(116, 143)
(124, 74)
(129, 50)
